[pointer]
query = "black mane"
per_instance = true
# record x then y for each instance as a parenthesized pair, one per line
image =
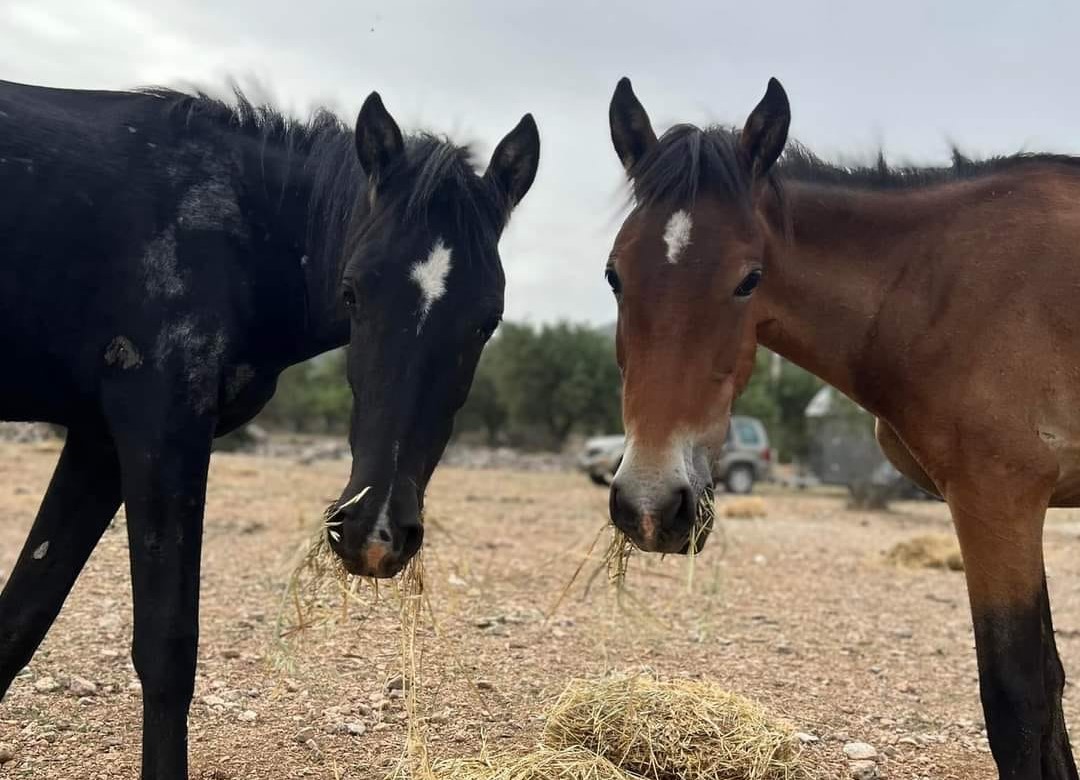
(687, 160)
(433, 172)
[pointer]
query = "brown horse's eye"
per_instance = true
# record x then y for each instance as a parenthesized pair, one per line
(747, 285)
(613, 280)
(348, 297)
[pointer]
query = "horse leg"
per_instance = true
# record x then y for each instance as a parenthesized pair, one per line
(1020, 677)
(81, 500)
(164, 467)
(1057, 757)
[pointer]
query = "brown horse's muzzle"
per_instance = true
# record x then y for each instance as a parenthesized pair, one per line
(663, 521)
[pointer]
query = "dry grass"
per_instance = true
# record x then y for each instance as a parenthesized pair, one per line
(544, 763)
(929, 551)
(678, 730)
(746, 508)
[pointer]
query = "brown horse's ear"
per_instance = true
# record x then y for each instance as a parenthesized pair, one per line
(516, 158)
(765, 133)
(378, 138)
(631, 131)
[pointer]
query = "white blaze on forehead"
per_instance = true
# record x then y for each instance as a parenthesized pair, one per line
(677, 235)
(430, 276)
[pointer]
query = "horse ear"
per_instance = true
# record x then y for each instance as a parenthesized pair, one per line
(631, 131)
(378, 138)
(765, 133)
(516, 158)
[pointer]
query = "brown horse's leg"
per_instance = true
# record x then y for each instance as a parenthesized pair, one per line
(1020, 677)
(1057, 756)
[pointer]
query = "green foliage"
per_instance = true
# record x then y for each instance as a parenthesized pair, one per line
(312, 397)
(536, 386)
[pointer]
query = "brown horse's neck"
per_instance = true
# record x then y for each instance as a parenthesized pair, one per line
(827, 283)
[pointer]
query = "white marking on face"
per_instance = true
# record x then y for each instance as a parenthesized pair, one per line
(430, 276)
(677, 235)
(382, 522)
(41, 551)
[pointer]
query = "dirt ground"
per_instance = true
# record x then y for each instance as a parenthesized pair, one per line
(797, 610)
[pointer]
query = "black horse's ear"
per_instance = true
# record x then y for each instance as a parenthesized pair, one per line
(378, 138)
(765, 133)
(516, 158)
(631, 130)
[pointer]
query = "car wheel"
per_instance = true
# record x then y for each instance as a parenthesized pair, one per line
(739, 480)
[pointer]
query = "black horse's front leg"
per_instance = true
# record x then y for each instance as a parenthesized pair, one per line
(82, 499)
(164, 472)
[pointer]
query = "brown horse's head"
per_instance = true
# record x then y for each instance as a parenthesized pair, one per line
(684, 269)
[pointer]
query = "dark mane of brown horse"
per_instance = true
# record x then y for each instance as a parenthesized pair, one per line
(688, 159)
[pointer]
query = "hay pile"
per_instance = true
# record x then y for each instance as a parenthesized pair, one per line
(677, 730)
(747, 508)
(930, 551)
(544, 763)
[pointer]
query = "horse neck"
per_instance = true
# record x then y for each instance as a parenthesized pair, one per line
(309, 201)
(829, 278)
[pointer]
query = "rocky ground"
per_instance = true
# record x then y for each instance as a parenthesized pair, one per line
(872, 664)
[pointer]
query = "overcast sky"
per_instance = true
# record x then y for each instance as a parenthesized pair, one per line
(907, 76)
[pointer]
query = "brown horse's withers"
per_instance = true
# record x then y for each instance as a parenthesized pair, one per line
(942, 300)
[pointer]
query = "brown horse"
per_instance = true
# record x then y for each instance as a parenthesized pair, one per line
(944, 301)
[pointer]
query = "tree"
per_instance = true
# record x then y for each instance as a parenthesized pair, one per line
(547, 383)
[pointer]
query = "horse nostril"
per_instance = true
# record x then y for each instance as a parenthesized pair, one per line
(678, 509)
(413, 537)
(384, 535)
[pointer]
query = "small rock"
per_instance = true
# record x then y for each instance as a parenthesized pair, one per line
(908, 741)
(806, 738)
(355, 729)
(46, 685)
(7, 752)
(864, 770)
(485, 685)
(396, 683)
(363, 710)
(313, 746)
(80, 686)
(760, 560)
(304, 734)
(247, 716)
(213, 701)
(860, 751)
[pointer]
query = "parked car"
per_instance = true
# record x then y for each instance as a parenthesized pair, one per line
(745, 459)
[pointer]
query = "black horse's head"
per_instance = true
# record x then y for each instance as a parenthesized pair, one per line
(423, 287)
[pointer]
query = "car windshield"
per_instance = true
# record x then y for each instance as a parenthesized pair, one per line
(746, 433)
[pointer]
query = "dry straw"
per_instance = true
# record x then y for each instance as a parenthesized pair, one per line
(929, 551)
(677, 730)
(319, 572)
(544, 763)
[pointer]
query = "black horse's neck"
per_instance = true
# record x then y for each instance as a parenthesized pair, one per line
(303, 197)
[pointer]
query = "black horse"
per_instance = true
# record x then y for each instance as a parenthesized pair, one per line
(163, 257)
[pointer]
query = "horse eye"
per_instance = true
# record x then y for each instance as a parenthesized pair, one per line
(485, 332)
(348, 297)
(613, 280)
(747, 285)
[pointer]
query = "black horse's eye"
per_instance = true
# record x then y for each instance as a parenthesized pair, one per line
(613, 280)
(348, 297)
(487, 330)
(747, 285)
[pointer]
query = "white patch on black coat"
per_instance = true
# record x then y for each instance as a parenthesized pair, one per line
(430, 276)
